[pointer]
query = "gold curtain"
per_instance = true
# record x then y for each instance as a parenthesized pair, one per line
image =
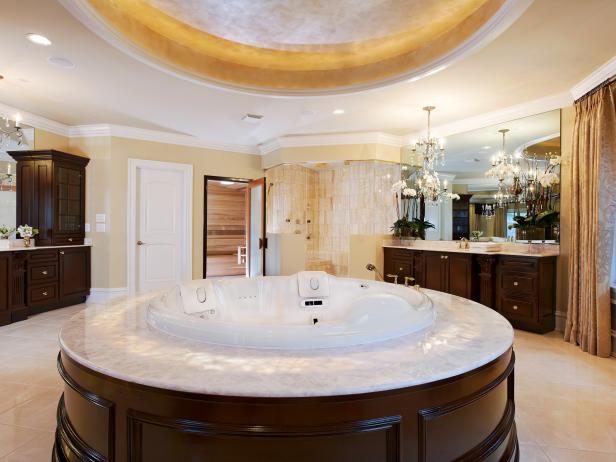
(592, 225)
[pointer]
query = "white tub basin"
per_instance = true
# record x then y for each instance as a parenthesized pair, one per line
(307, 310)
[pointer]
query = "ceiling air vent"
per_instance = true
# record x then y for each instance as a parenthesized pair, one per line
(252, 118)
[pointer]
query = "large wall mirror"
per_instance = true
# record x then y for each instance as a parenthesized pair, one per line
(12, 138)
(507, 177)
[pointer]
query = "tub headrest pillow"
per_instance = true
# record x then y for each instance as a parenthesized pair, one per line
(313, 284)
(198, 296)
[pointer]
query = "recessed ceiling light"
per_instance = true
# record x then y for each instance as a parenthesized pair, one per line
(227, 183)
(39, 39)
(64, 63)
(338, 111)
(487, 147)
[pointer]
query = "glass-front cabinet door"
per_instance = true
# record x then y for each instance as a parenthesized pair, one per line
(69, 210)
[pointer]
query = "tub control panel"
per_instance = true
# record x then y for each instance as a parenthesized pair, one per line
(313, 303)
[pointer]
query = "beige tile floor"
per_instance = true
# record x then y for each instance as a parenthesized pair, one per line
(565, 399)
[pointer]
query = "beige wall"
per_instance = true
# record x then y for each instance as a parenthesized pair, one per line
(106, 192)
(48, 140)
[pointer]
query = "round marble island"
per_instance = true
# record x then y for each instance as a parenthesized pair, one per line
(133, 393)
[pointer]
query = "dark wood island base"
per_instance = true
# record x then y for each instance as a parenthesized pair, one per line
(468, 417)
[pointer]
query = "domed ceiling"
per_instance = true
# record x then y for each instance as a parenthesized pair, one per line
(298, 46)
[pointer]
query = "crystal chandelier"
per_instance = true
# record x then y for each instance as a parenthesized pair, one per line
(506, 169)
(10, 132)
(431, 149)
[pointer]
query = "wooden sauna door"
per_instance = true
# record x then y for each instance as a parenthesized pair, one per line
(225, 214)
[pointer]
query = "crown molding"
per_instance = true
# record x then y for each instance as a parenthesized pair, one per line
(35, 120)
(507, 114)
(156, 136)
(333, 139)
(597, 77)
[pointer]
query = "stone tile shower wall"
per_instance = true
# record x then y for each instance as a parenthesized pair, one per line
(328, 204)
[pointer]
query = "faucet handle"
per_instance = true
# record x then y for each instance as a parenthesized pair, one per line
(407, 279)
(394, 276)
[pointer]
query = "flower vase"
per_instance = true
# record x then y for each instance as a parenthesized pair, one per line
(27, 242)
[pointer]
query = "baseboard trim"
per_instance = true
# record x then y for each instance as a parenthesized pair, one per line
(102, 295)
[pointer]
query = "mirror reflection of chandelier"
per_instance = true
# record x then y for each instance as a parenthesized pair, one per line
(506, 169)
(10, 133)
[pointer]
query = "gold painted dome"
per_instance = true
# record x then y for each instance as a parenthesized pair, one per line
(296, 46)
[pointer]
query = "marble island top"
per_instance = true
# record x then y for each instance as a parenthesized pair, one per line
(534, 249)
(116, 340)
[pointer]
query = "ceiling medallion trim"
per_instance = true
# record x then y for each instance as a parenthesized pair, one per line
(284, 76)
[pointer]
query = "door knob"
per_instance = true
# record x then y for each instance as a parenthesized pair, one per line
(140, 243)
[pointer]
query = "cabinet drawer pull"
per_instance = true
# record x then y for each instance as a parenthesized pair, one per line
(44, 272)
(61, 252)
(401, 268)
(515, 283)
(446, 257)
(70, 239)
(515, 307)
(45, 294)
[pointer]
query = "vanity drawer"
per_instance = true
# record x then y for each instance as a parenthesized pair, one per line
(43, 294)
(36, 256)
(524, 264)
(518, 282)
(43, 273)
(68, 240)
(517, 308)
(402, 268)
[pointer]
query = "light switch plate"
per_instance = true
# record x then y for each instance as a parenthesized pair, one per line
(87, 227)
(101, 218)
(100, 227)
(87, 241)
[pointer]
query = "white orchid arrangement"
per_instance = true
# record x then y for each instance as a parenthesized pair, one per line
(5, 232)
(27, 231)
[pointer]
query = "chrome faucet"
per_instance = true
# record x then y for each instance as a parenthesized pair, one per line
(408, 279)
(463, 244)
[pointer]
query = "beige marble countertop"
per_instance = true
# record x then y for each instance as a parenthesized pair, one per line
(116, 340)
(485, 248)
(42, 247)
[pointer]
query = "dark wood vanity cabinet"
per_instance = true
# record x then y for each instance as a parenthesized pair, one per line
(37, 280)
(525, 291)
(521, 288)
(444, 271)
(449, 272)
(51, 195)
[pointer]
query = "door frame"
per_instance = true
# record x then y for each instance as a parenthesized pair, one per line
(187, 195)
(207, 178)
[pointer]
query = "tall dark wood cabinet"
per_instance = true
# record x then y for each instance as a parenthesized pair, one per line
(51, 195)
(55, 273)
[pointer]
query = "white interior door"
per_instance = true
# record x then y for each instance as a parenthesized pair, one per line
(162, 227)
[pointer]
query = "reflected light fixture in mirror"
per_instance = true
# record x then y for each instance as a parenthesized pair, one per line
(10, 131)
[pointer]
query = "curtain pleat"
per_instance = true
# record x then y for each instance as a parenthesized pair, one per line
(592, 226)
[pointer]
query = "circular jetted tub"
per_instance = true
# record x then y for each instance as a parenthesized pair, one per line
(308, 367)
